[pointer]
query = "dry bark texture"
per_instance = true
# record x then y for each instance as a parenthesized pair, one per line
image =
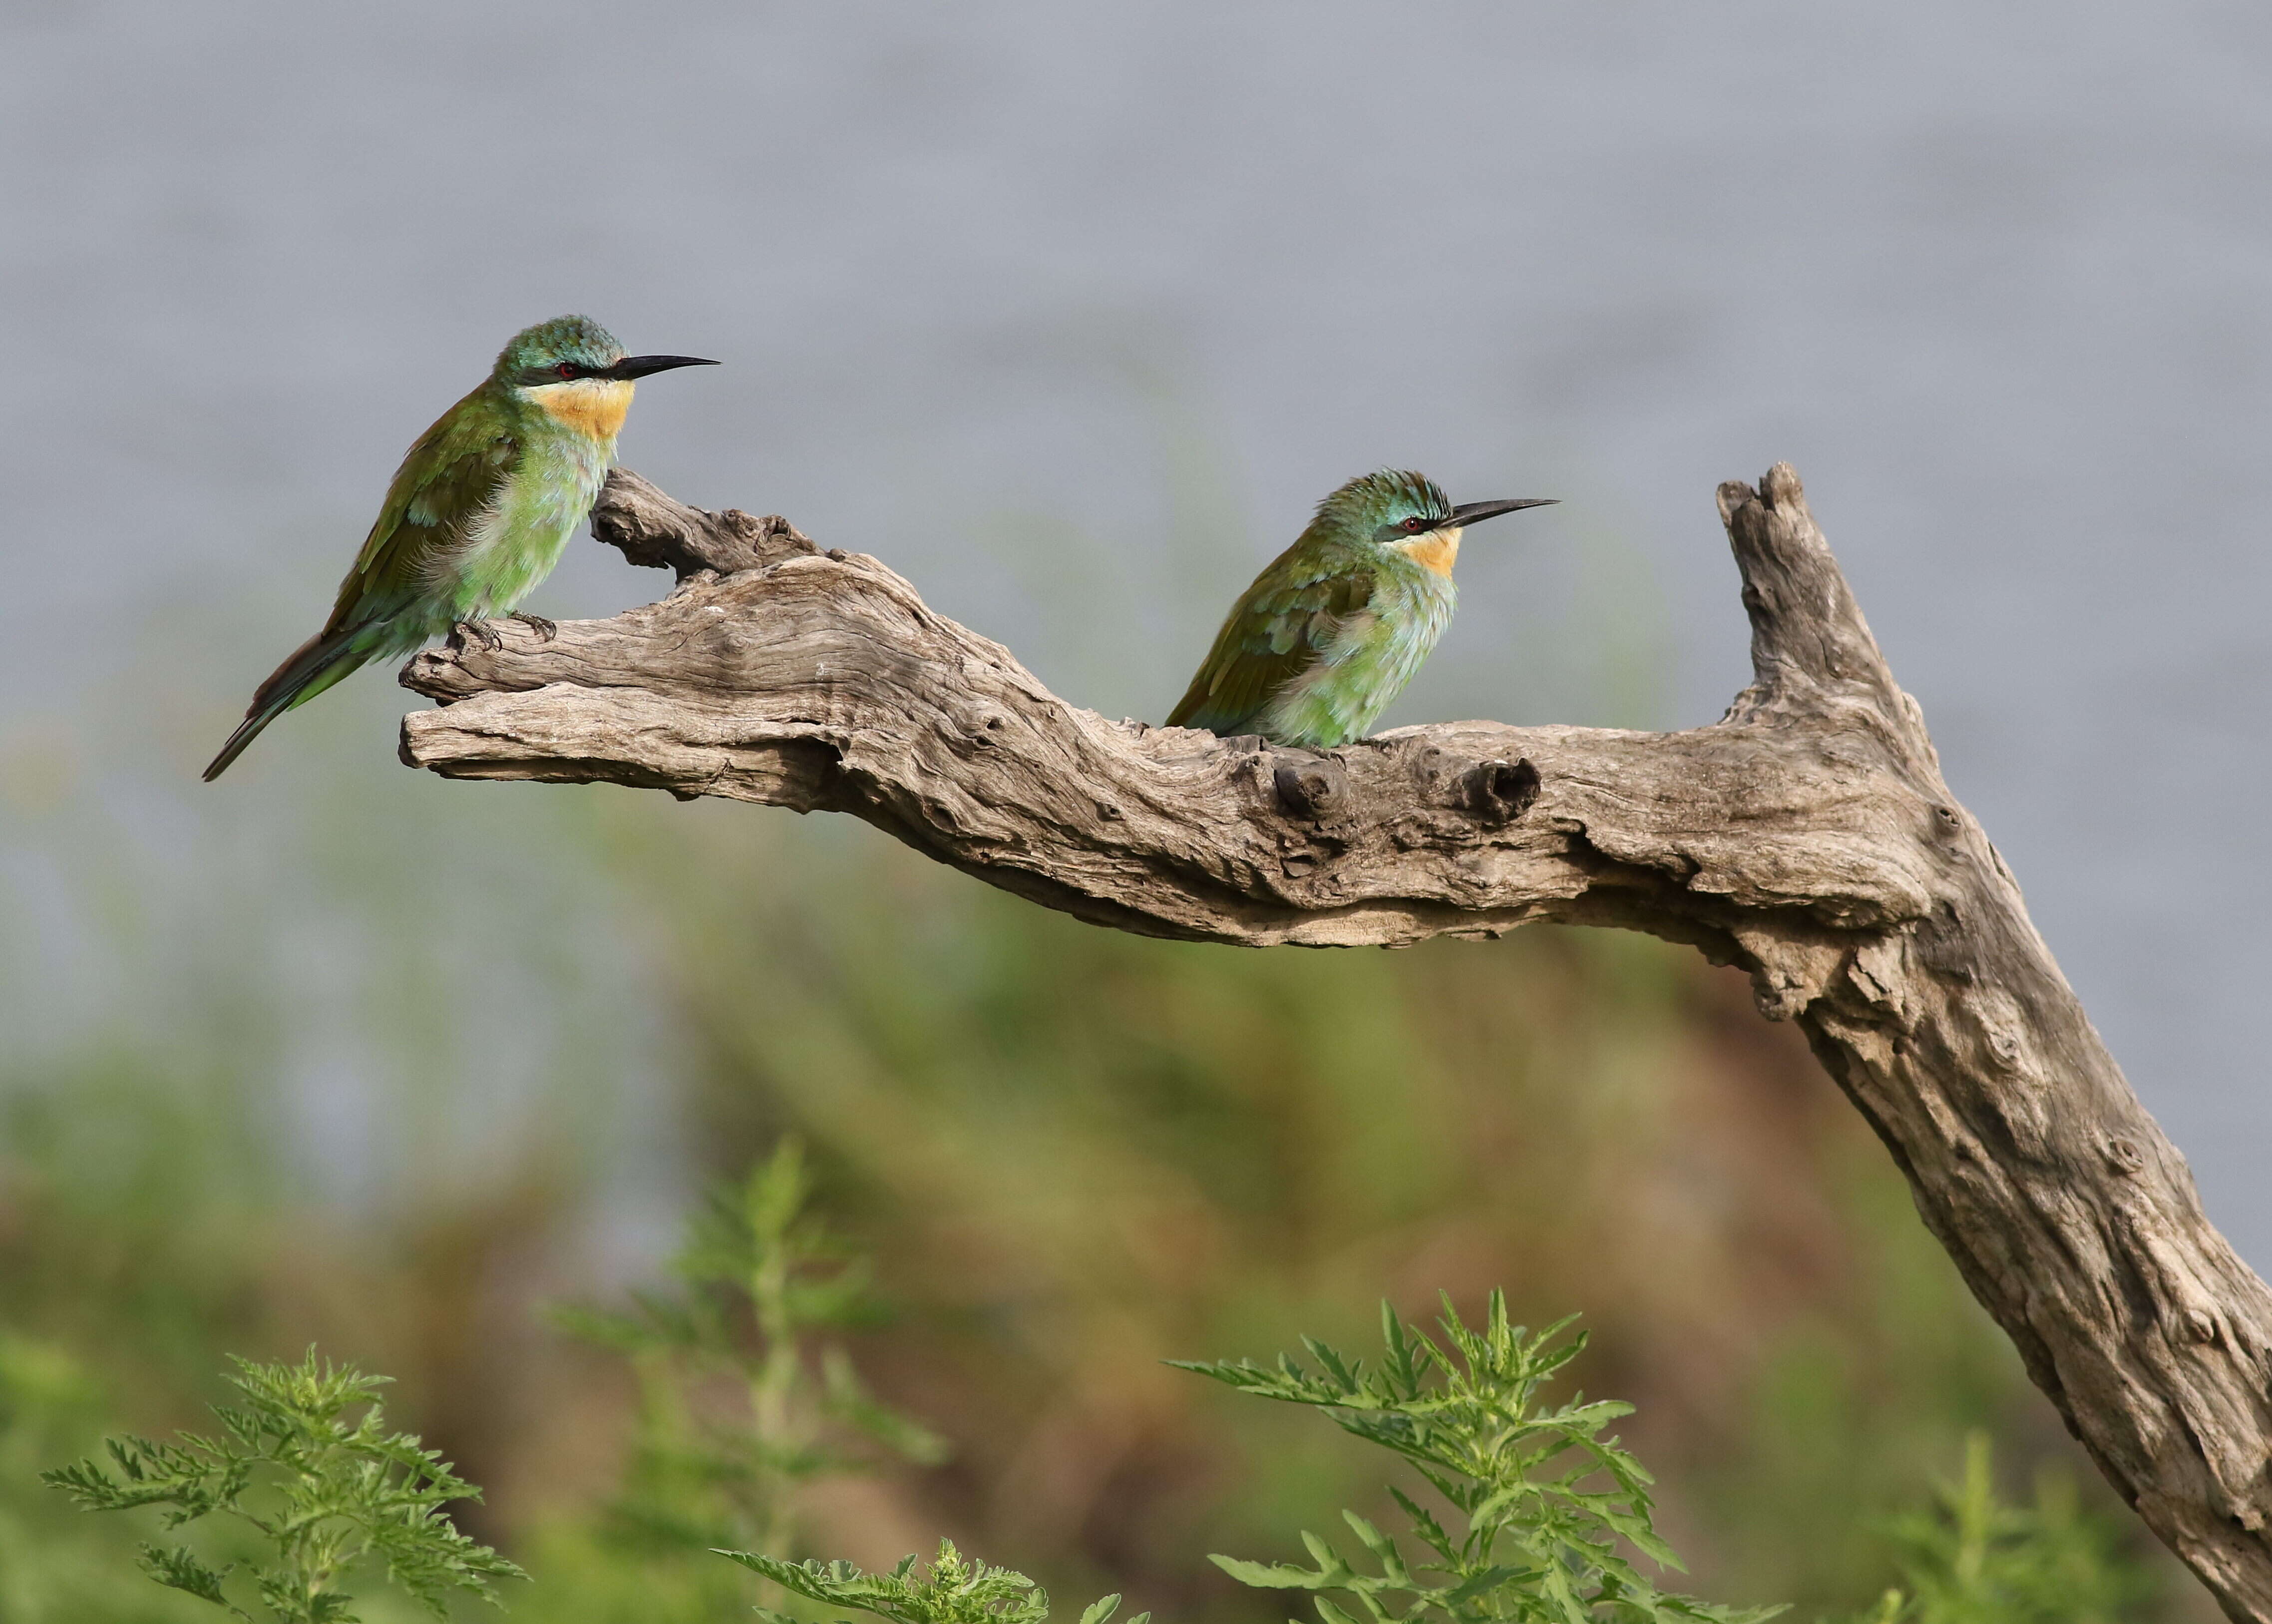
(1807, 837)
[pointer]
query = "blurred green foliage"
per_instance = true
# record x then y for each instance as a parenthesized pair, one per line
(745, 1399)
(1971, 1558)
(50, 1568)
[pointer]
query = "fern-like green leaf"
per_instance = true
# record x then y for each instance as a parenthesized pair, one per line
(1547, 1503)
(325, 1494)
(178, 1568)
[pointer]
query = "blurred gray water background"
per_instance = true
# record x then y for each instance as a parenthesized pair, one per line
(1069, 313)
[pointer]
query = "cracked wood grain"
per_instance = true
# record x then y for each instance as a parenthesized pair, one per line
(1806, 837)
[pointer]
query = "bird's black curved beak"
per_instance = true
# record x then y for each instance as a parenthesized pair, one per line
(1476, 512)
(639, 366)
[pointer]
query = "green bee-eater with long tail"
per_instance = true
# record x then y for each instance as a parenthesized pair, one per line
(478, 513)
(1329, 634)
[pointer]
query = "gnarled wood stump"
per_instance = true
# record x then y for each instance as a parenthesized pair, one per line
(1807, 837)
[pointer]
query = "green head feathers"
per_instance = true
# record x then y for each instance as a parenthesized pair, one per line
(1391, 505)
(536, 354)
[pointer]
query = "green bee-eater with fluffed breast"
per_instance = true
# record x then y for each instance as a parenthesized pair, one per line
(478, 513)
(1330, 633)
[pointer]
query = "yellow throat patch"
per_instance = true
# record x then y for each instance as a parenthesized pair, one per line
(592, 406)
(1436, 551)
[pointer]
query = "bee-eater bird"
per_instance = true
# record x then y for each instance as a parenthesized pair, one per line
(478, 513)
(1329, 634)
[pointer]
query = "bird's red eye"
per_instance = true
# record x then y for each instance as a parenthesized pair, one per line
(1416, 525)
(566, 369)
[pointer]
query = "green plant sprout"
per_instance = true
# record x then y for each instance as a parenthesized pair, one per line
(955, 1590)
(1971, 1558)
(323, 1495)
(740, 1404)
(1542, 1501)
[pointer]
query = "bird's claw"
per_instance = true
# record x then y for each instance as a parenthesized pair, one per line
(479, 631)
(545, 630)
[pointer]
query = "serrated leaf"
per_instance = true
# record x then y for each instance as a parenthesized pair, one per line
(178, 1568)
(1335, 1368)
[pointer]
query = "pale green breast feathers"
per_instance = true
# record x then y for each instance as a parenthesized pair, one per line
(566, 440)
(1365, 658)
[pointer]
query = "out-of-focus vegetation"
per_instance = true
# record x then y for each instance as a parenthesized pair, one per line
(340, 1054)
(745, 1402)
(1971, 1558)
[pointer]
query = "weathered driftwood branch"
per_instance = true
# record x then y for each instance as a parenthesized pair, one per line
(1806, 837)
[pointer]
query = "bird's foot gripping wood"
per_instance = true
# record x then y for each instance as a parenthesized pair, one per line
(477, 631)
(545, 630)
(1807, 838)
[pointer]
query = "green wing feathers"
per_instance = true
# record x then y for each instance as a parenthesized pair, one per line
(451, 477)
(1284, 624)
(390, 600)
